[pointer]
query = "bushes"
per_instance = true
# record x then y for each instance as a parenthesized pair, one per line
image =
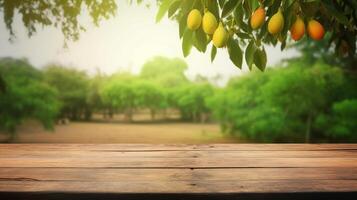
(72, 86)
(120, 95)
(291, 104)
(26, 96)
(284, 104)
(191, 101)
(340, 124)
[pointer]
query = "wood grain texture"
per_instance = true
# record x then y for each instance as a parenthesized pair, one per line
(57, 171)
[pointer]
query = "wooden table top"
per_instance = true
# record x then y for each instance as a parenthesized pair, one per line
(141, 171)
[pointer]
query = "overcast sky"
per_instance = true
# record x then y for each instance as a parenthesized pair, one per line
(124, 42)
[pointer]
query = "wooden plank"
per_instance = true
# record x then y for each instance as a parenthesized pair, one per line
(229, 174)
(222, 169)
(178, 147)
(49, 195)
(98, 162)
(265, 186)
(177, 154)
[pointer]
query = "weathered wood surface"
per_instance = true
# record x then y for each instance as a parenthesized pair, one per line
(137, 171)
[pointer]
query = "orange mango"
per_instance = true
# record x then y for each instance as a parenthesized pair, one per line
(315, 30)
(257, 18)
(297, 30)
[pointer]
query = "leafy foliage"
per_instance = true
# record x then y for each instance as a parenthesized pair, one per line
(72, 87)
(339, 19)
(26, 95)
(61, 14)
(291, 104)
(120, 94)
(284, 104)
(165, 71)
(191, 101)
(341, 123)
(149, 95)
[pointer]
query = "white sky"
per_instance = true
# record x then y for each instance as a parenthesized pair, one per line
(124, 42)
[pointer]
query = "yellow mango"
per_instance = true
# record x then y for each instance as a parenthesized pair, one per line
(209, 23)
(220, 36)
(276, 23)
(194, 19)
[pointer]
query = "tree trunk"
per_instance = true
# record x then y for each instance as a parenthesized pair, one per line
(153, 114)
(104, 114)
(308, 129)
(129, 115)
(194, 116)
(87, 114)
(110, 113)
(165, 114)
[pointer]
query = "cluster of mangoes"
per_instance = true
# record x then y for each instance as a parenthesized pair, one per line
(209, 25)
(276, 24)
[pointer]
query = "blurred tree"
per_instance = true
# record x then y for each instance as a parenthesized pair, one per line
(72, 86)
(149, 95)
(191, 101)
(94, 101)
(283, 104)
(119, 93)
(165, 71)
(341, 123)
(169, 74)
(303, 93)
(239, 108)
(26, 96)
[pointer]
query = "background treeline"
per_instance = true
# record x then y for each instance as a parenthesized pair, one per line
(56, 92)
(300, 101)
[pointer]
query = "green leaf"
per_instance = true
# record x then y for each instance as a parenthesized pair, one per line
(238, 17)
(289, 18)
(309, 9)
(186, 7)
(163, 9)
(253, 4)
(238, 14)
(249, 54)
(337, 14)
(187, 42)
(182, 25)
(201, 40)
(247, 9)
(288, 3)
(229, 7)
(173, 8)
(283, 45)
(260, 59)
(213, 53)
(235, 53)
(213, 8)
(273, 8)
(242, 35)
